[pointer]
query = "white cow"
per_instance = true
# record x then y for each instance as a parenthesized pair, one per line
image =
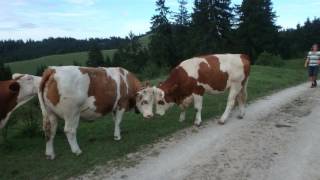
(194, 77)
(71, 92)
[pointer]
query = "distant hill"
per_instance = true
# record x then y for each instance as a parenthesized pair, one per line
(30, 66)
(18, 50)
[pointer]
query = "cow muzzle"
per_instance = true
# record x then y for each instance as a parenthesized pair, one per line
(161, 113)
(148, 116)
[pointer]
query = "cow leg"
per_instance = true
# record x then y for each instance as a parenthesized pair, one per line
(70, 129)
(241, 99)
(182, 115)
(184, 105)
(50, 125)
(234, 91)
(198, 106)
(117, 120)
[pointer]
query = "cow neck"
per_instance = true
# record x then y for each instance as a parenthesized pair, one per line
(170, 95)
(8, 100)
(137, 86)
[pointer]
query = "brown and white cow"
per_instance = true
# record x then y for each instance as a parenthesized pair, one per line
(194, 77)
(15, 92)
(71, 92)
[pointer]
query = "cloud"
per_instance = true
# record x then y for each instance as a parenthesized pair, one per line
(66, 14)
(136, 26)
(17, 26)
(82, 2)
(27, 25)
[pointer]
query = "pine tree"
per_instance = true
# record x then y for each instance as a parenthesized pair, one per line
(160, 20)
(131, 56)
(95, 57)
(221, 17)
(161, 46)
(76, 63)
(182, 18)
(257, 30)
(180, 31)
(108, 62)
(40, 69)
(211, 25)
(5, 71)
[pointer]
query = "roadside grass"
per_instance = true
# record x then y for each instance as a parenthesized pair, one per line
(23, 157)
(30, 66)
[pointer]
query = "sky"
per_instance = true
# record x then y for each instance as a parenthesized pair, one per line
(39, 19)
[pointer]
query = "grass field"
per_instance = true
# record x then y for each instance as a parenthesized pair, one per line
(23, 157)
(30, 66)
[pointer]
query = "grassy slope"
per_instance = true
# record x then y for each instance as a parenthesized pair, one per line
(24, 157)
(30, 66)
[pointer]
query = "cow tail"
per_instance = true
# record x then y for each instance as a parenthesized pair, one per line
(46, 123)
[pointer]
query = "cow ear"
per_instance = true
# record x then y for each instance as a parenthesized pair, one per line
(173, 88)
(16, 76)
(14, 87)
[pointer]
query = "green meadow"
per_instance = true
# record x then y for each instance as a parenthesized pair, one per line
(30, 66)
(22, 153)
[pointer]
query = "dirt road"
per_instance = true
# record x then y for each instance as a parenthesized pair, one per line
(279, 139)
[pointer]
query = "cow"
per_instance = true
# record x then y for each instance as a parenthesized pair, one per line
(194, 77)
(15, 92)
(71, 92)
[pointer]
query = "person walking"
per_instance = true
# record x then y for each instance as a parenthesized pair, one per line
(312, 62)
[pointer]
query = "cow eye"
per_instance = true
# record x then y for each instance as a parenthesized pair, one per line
(144, 102)
(161, 102)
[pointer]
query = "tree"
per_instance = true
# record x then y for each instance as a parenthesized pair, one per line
(132, 56)
(182, 18)
(76, 63)
(16, 50)
(296, 42)
(108, 62)
(180, 31)
(40, 69)
(95, 57)
(210, 26)
(257, 30)
(5, 71)
(161, 46)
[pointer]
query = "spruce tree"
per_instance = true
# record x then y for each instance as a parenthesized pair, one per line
(182, 18)
(161, 46)
(95, 57)
(257, 30)
(211, 26)
(40, 69)
(5, 71)
(131, 56)
(180, 31)
(108, 62)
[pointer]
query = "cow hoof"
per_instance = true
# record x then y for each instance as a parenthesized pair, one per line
(240, 117)
(50, 157)
(78, 152)
(198, 124)
(221, 122)
(117, 138)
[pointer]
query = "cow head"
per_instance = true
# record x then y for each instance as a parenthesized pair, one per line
(161, 104)
(15, 92)
(144, 101)
(162, 100)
